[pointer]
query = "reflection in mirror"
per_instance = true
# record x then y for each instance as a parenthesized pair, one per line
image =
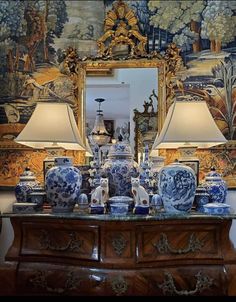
(127, 89)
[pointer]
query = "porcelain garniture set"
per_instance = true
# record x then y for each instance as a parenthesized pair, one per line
(121, 191)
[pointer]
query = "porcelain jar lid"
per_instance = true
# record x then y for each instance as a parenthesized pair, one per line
(120, 150)
(213, 176)
(27, 175)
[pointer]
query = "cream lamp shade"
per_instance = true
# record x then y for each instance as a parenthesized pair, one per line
(52, 125)
(189, 123)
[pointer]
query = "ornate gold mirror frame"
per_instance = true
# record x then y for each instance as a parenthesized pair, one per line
(123, 46)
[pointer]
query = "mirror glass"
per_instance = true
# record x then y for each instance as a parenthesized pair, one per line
(125, 90)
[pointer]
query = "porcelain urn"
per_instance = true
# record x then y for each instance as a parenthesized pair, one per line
(119, 168)
(216, 187)
(62, 185)
(177, 186)
(25, 186)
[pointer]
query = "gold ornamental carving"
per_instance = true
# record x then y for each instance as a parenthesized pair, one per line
(121, 29)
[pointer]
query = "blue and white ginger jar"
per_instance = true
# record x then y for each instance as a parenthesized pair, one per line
(119, 168)
(25, 186)
(156, 202)
(62, 185)
(216, 187)
(177, 186)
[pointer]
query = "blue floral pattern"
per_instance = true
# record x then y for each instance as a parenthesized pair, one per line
(177, 186)
(216, 187)
(119, 169)
(62, 186)
(25, 186)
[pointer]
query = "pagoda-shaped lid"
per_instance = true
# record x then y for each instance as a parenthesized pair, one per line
(27, 175)
(120, 150)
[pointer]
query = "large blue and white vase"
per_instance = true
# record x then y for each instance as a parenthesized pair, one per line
(119, 168)
(216, 187)
(177, 186)
(62, 185)
(25, 186)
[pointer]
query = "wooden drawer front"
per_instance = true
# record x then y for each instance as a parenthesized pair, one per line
(187, 281)
(46, 279)
(118, 246)
(177, 242)
(79, 242)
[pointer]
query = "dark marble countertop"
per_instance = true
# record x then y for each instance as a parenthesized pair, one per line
(47, 214)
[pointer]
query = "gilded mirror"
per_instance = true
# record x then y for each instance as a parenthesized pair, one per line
(123, 46)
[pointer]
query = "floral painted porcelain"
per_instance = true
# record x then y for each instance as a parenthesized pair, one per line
(217, 208)
(119, 208)
(62, 185)
(119, 168)
(216, 187)
(177, 186)
(121, 199)
(156, 202)
(25, 186)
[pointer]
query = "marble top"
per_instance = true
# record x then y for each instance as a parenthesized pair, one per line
(130, 217)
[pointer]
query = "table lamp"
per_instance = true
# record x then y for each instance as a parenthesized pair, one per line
(188, 125)
(52, 127)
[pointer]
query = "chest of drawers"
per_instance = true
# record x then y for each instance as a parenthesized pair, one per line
(105, 255)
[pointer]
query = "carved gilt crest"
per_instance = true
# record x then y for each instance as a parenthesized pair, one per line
(122, 33)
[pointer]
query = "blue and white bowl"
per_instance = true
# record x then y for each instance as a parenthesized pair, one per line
(121, 199)
(216, 208)
(119, 208)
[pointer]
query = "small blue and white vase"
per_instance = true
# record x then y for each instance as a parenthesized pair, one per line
(119, 168)
(177, 186)
(25, 186)
(156, 203)
(201, 198)
(62, 185)
(83, 204)
(216, 187)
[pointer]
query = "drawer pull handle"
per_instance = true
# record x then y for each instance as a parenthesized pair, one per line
(168, 286)
(39, 280)
(164, 247)
(47, 243)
